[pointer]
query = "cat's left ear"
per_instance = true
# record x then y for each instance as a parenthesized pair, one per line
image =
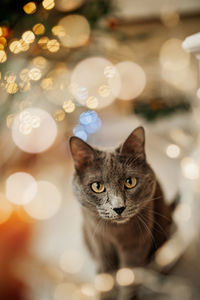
(82, 153)
(135, 143)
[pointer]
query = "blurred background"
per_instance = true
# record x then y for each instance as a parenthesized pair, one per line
(95, 69)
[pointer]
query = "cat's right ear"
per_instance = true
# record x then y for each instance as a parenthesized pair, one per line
(83, 154)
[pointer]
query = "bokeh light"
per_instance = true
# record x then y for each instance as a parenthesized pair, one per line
(88, 289)
(90, 121)
(30, 8)
(48, 4)
(28, 37)
(103, 282)
(173, 151)
(125, 276)
(35, 74)
(53, 45)
(38, 29)
(71, 261)
(133, 80)
(59, 115)
(64, 6)
(80, 132)
(77, 31)
(69, 106)
(21, 188)
(3, 56)
(172, 56)
(190, 168)
(46, 202)
(89, 80)
(6, 209)
(34, 130)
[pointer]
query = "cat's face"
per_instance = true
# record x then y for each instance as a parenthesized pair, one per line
(113, 185)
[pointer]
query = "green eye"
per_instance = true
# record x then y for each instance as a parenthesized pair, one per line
(98, 187)
(130, 182)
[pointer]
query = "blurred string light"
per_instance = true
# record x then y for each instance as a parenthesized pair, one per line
(190, 168)
(40, 62)
(3, 56)
(58, 31)
(71, 261)
(48, 4)
(6, 209)
(76, 29)
(89, 123)
(173, 151)
(125, 277)
(21, 188)
(42, 42)
(28, 37)
(103, 282)
(95, 80)
(133, 80)
(172, 56)
(34, 74)
(59, 115)
(34, 130)
(68, 106)
(64, 6)
(30, 8)
(3, 43)
(38, 29)
(46, 202)
(53, 45)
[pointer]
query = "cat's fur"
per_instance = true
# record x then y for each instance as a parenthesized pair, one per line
(129, 239)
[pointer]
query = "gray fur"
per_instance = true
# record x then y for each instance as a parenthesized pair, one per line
(125, 240)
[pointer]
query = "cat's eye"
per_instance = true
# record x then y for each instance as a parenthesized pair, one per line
(130, 182)
(98, 187)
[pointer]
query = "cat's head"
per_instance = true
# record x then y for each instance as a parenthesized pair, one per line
(113, 185)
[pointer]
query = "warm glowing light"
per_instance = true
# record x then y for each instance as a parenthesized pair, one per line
(53, 45)
(69, 5)
(3, 43)
(125, 276)
(77, 31)
(42, 42)
(58, 31)
(15, 47)
(12, 87)
(65, 291)
(9, 120)
(34, 130)
(47, 84)
(92, 102)
(35, 74)
(59, 115)
(38, 29)
(48, 4)
(30, 8)
(172, 55)
(25, 86)
(23, 46)
(133, 80)
(5, 209)
(28, 37)
(40, 62)
(198, 93)
(190, 168)
(3, 56)
(69, 106)
(104, 282)
(71, 261)
(21, 188)
(90, 82)
(24, 74)
(46, 203)
(173, 151)
(88, 289)
(10, 77)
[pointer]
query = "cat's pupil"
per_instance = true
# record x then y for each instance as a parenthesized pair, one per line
(98, 185)
(129, 181)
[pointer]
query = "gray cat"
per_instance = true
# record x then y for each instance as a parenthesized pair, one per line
(125, 218)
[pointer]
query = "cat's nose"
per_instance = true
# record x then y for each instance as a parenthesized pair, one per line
(119, 210)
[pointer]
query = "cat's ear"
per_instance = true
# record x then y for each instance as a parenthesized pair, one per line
(135, 142)
(82, 153)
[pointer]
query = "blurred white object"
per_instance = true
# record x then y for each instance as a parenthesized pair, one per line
(192, 43)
